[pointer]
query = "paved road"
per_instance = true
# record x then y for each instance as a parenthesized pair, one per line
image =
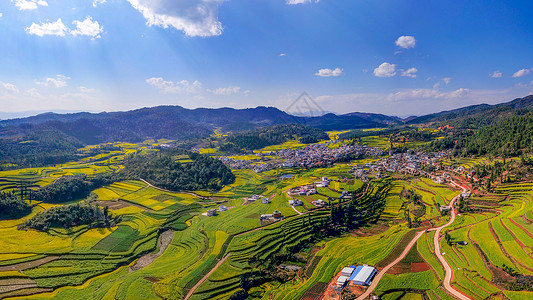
(447, 268)
(449, 272)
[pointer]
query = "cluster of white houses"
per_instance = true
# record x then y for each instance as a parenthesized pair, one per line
(309, 189)
(357, 275)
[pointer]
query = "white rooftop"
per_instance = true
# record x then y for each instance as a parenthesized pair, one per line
(342, 279)
(364, 274)
(348, 270)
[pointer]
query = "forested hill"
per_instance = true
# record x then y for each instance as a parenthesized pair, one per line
(509, 137)
(477, 116)
(274, 135)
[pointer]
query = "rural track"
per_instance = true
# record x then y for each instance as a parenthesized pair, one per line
(386, 268)
(449, 272)
(169, 191)
(197, 285)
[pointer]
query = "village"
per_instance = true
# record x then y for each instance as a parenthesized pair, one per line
(316, 155)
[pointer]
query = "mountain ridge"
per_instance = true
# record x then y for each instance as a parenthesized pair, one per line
(179, 123)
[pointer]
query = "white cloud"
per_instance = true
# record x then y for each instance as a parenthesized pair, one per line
(521, 73)
(329, 72)
(33, 93)
(29, 4)
(294, 2)
(169, 87)
(9, 87)
(58, 82)
(98, 2)
(410, 72)
(283, 54)
(227, 90)
(447, 80)
(427, 94)
(496, 74)
(385, 70)
(1, 15)
(194, 17)
(406, 42)
(86, 90)
(88, 28)
(55, 28)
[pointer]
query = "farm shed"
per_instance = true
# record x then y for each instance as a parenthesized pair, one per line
(363, 275)
(347, 271)
(342, 280)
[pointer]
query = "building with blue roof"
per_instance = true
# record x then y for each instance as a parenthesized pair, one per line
(363, 275)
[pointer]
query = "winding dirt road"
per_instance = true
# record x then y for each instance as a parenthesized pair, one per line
(377, 278)
(447, 268)
(449, 272)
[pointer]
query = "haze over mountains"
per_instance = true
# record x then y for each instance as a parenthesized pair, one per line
(175, 122)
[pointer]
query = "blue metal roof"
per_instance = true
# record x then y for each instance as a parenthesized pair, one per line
(355, 272)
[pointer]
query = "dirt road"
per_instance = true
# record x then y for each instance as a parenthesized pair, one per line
(197, 285)
(449, 272)
(447, 268)
(377, 278)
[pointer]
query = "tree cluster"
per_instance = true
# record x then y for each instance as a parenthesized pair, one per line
(12, 206)
(73, 215)
(69, 188)
(162, 170)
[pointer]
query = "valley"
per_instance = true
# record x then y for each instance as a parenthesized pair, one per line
(363, 207)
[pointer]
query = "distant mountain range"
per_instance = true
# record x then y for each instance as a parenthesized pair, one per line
(175, 122)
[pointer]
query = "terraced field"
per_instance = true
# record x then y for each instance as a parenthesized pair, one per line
(496, 238)
(208, 256)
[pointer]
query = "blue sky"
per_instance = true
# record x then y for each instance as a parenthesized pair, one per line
(398, 57)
